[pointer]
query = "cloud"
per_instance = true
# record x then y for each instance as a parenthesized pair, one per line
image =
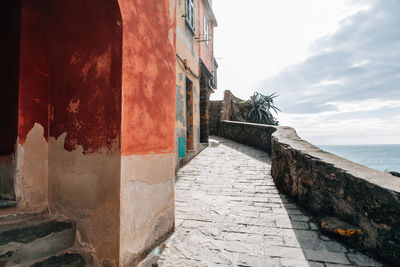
(327, 83)
(351, 78)
(364, 105)
(257, 40)
(324, 129)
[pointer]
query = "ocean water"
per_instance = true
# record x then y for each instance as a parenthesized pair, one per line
(378, 157)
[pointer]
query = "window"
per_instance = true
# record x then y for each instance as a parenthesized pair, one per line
(190, 13)
(205, 30)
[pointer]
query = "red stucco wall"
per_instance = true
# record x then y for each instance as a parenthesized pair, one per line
(70, 84)
(71, 71)
(148, 78)
(106, 84)
(206, 52)
(34, 72)
(78, 90)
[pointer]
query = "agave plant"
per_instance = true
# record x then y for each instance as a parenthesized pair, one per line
(261, 106)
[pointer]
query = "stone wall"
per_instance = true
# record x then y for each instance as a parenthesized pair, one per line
(353, 203)
(256, 135)
(226, 110)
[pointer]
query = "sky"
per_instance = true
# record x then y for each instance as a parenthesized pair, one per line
(335, 64)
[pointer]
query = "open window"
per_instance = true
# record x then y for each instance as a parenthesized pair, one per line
(190, 13)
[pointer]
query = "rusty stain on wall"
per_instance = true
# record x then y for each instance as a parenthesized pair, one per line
(73, 106)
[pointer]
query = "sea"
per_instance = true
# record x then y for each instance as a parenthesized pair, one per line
(379, 157)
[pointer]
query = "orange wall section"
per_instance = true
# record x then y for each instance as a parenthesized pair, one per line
(148, 76)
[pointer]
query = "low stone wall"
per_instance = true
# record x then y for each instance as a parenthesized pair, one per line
(356, 204)
(256, 135)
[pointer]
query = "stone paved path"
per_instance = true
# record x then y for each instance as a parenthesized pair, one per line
(229, 213)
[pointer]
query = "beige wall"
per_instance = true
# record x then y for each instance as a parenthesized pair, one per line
(147, 204)
(31, 181)
(86, 189)
(187, 49)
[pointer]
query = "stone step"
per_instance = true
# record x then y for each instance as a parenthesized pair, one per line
(34, 238)
(63, 260)
(5, 203)
(17, 216)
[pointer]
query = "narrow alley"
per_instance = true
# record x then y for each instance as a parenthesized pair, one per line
(229, 213)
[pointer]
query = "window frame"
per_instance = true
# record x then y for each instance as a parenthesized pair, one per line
(206, 29)
(190, 14)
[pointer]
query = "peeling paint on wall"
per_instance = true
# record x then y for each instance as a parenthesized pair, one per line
(31, 182)
(172, 10)
(70, 90)
(85, 71)
(180, 106)
(73, 106)
(196, 97)
(86, 188)
(187, 39)
(73, 156)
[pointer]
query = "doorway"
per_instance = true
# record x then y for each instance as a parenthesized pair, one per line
(9, 81)
(189, 115)
(204, 100)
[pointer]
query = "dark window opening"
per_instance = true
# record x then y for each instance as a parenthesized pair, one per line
(9, 81)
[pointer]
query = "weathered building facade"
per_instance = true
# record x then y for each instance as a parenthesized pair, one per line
(195, 72)
(208, 64)
(83, 125)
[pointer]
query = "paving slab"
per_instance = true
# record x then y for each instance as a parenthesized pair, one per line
(229, 213)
